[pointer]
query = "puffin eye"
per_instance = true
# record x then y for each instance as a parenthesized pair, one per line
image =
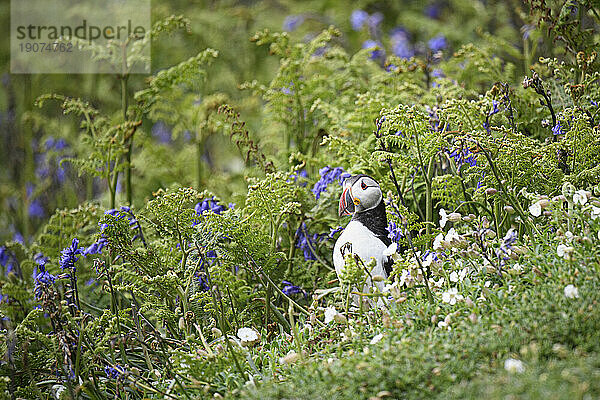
(363, 185)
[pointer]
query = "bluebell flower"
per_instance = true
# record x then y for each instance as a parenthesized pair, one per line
(328, 175)
(557, 130)
(377, 53)
(432, 11)
(114, 373)
(526, 30)
(438, 73)
(69, 256)
(209, 205)
(437, 43)
(36, 210)
(394, 232)
(494, 109)
(4, 255)
(305, 242)
(462, 156)
(290, 289)
(303, 174)
(292, 22)
(161, 132)
(333, 231)
(401, 45)
(95, 248)
(43, 279)
(358, 19)
(374, 20)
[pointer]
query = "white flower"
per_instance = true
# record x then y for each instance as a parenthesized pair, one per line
(564, 251)
(248, 336)
(330, 313)
(439, 283)
(451, 296)
(535, 209)
(595, 212)
(376, 338)
(453, 276)
(443, 217)
(445, 323)
(580, 197)
(405, 278)
(512, 366)
(569, 236)
(517, 267)
(437, 242)
(428, 260)
(463, 274)
(571, 292)
(391, 249)
(487, 283)
(452, 235)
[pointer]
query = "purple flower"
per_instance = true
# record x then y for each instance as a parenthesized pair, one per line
(377, 53)
(494, 109)
(394, 232)
(401, 43)
(95, 248)
(437, 43)
(358, 19)
(114, 373)
(432, 11)
(328, 175)
(557, 130)
(43, 279)
(374, 20)
(302, 174)
(333, 231)
(35, 209)
(289, 289)
(161, 132)
(292, 22)
(69, 256)
(462, 156)
(306, 243)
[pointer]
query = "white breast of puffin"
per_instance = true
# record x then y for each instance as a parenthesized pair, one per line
(364, 244)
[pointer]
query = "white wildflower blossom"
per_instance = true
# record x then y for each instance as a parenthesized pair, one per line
(445, 323)
(569, 236)
(571, 292)
(391, 249)
(452, 235)
(564, 251)
(580, 197)
(595, 212)
(330, 313)
(452, 296)
(376, 338)
(439, 283)
(514, 366)
(248, 336)
(453, 276)
(535, 209)
(428, 260)
(437, 242)
(443, 217)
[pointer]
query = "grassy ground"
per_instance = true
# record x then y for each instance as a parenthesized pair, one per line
(527, 318)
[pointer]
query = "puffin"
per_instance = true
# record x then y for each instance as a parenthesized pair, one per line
(366, 234)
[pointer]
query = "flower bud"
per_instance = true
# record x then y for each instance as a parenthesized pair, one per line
(340, 318)
(559, 198)
(181, 323)
(216, 332)
(454, 217)
(544, 203)
(378, 278)
(509, 209)
(490, 191)
(473, 318)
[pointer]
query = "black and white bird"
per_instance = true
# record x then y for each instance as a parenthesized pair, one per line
(366, 234)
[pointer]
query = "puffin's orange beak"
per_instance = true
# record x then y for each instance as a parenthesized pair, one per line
(346, 203)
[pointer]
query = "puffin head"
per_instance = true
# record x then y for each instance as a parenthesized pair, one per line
(360, 193)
